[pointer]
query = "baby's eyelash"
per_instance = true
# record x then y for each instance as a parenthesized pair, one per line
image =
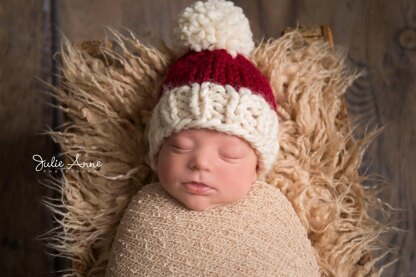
(231, 157)
(179, 148)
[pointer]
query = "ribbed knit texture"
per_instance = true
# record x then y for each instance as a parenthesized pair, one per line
(260, 235)
(221, 108)
(219, 67)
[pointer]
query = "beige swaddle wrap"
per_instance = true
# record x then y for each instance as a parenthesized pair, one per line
(260, 235)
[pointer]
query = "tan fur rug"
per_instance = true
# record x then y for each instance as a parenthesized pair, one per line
(107, 96)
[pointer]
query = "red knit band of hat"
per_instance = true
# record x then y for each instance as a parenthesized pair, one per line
(219, 67)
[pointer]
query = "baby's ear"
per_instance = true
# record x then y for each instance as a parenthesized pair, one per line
(257, 168)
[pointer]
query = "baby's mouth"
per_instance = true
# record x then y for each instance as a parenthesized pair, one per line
(197, 188)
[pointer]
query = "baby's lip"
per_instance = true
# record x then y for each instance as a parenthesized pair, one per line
(197, 187)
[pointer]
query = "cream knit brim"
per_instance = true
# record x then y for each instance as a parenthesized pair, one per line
(221, 108)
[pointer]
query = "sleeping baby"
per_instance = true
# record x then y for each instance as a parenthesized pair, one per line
(213, 137)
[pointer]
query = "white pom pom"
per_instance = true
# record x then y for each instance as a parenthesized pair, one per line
(215, 24)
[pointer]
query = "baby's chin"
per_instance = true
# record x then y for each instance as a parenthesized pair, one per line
(200, 206)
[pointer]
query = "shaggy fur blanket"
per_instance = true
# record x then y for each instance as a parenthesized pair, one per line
(108, 93)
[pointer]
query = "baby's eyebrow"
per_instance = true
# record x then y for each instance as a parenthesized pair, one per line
(181, 139)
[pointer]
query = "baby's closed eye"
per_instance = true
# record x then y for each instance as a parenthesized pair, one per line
(180, 144)
(180, 148)
(231, 155)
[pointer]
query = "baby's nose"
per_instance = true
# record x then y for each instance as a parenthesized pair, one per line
(201, 160)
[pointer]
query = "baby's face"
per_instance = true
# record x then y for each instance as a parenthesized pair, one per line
(204, 169)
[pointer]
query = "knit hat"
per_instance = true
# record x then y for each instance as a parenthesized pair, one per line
(215, 86)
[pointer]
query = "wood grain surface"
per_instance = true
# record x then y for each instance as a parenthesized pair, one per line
(379, 36)
(381, 39)
(24, 114)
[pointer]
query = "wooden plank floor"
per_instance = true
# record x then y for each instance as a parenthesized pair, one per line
(380, 37)
(25, 52)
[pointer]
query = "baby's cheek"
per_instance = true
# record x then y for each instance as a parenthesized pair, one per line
(171, 168)
(242, 172)
(232, 174)
(164, 166)
(240, 179)
(230, 177)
